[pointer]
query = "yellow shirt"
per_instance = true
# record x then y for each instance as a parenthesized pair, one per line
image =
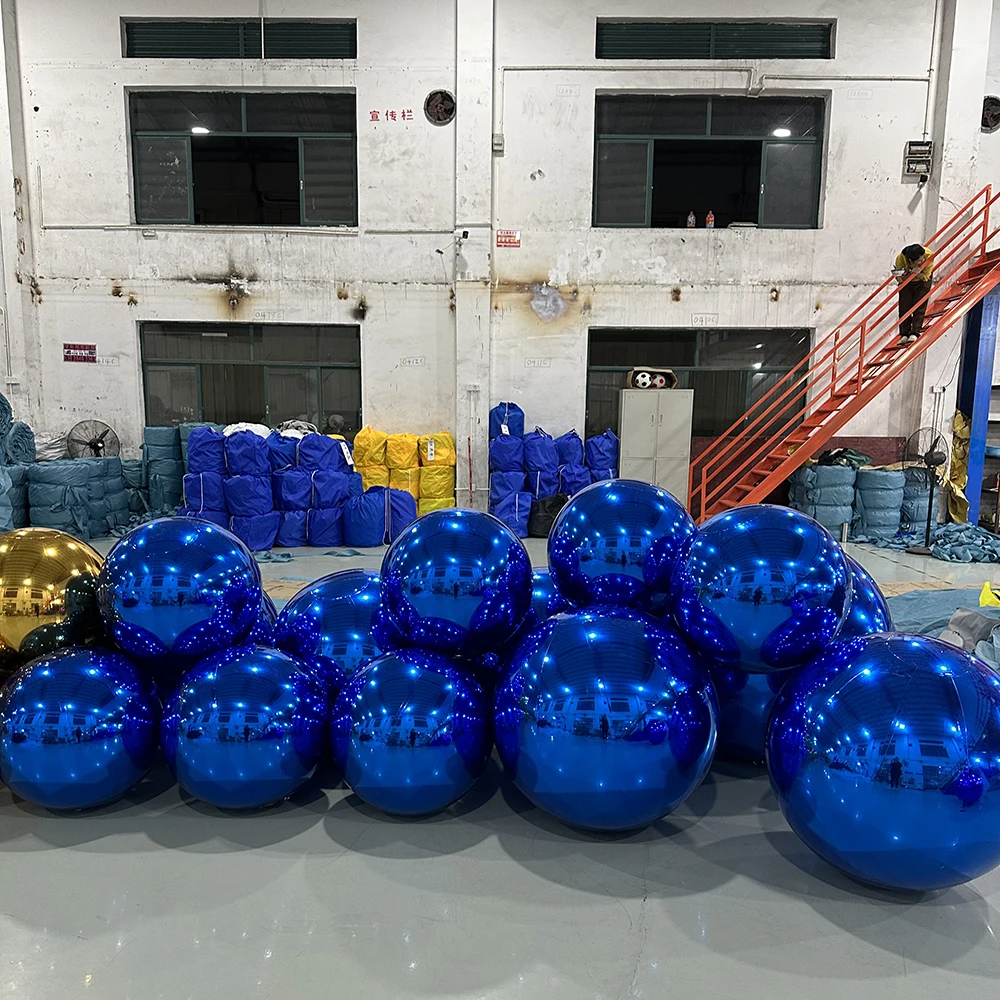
(926, 270)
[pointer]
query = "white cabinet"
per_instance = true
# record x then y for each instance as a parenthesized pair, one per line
(655, 437)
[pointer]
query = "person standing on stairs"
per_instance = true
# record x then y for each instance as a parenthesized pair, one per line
(917, 261)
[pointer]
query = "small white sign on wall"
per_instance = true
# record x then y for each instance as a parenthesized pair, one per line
(704, 319)
(537, 362)
(412, 362)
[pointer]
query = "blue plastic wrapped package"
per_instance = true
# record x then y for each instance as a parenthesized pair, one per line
(602, 455)
(6, 416)
(317, 451)
(507, 454)
(246, 454)
(283, 451)
(206, 451)
(377, 516)
(292, 529)
(58, 495)
(540, 452)
(573, 478)
(570, 448)
(292, 489)
(514, 511)
(6, 509)
(502, 484)
(506, 420)
(543, 484)
(247, 496)
(355, 484)
(258, 532)
(159, 443)
(219, 517)
(325, 528)
(329, 489)
(204, 490)
(20, 444)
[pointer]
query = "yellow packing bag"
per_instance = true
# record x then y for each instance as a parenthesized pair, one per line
(406, 479)
(373, 475)
(401, 451)
(369, 447)
(426, 504)
(437, 449)
(437, 481)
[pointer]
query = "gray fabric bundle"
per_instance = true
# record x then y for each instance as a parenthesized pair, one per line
(20, 444)
(878, 499)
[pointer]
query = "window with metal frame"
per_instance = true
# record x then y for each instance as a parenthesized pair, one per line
(752, 162)
(232, 38)
(694, 39)
(254, 159)
(260, 373)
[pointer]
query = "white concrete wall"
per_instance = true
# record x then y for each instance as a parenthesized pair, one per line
(418, 182)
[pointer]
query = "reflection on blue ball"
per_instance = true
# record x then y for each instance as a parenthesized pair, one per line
(78, 728)
(457, 581)
(761, 589)
(616, 542)
(245, 728)
(745, 702)
(546, 600)
(411, 732)
(178, 589)
(869, 611)
(605, 720)
(884, 753)
(330, 623)
(262, 634)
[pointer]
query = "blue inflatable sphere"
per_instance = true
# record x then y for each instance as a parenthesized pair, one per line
(245, 728)
(884, 753)
(605, 719)
(761, 589)
(78, 728)
(457, 582)
(546, 600)
(411, 732)
(262, 634)
(331, 622)
(745, 702)
(616, 542)
(869, 611)
(178, 589)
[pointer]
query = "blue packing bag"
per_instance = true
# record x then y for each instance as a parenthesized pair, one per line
(502, 484)
(543, 484)
(355, 484)
(377, 516)
(257, 533)
(573, 478)
(204, 490)
(292, 529)
(325, 528)
(219, 517)
(282, 451)
(206, 451)
(329, 489)
(508, 415)
(514, 511)
(249, 495)
(602, 456)
(246, 454)
(540, 452)
(507, 454)
(292, 489)
(570, 448)
(317, 451)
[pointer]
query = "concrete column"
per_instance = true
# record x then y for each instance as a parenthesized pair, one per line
(473, 245)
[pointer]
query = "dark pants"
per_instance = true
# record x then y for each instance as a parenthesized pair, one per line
(909, 295)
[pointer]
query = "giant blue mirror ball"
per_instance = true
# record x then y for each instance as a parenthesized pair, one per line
(262, 634)
(411, 732)
(884, 754)
(869, 611)
(245, 728)
(546, 599)
(605, 720)
(616, 542)
(761, 589)
(331, 623)
(78, 728)
(457, 582)
(745, 702)
(178, 589)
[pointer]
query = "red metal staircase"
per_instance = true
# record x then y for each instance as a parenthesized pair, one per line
(846, 371)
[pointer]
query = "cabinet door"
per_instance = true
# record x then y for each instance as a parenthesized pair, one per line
(673, 441)
(638, 429)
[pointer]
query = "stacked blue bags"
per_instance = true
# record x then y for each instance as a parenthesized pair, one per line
(18, 495)
(508, 474)
(204, 491)
(247, 489)
(84, 496)
(602, 456)
(377, 516)
(161, 451)
(573, 474)
(541, 459)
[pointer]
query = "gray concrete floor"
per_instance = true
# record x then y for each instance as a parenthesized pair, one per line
(162, 897)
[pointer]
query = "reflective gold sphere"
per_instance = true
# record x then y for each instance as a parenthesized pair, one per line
(47, 578)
